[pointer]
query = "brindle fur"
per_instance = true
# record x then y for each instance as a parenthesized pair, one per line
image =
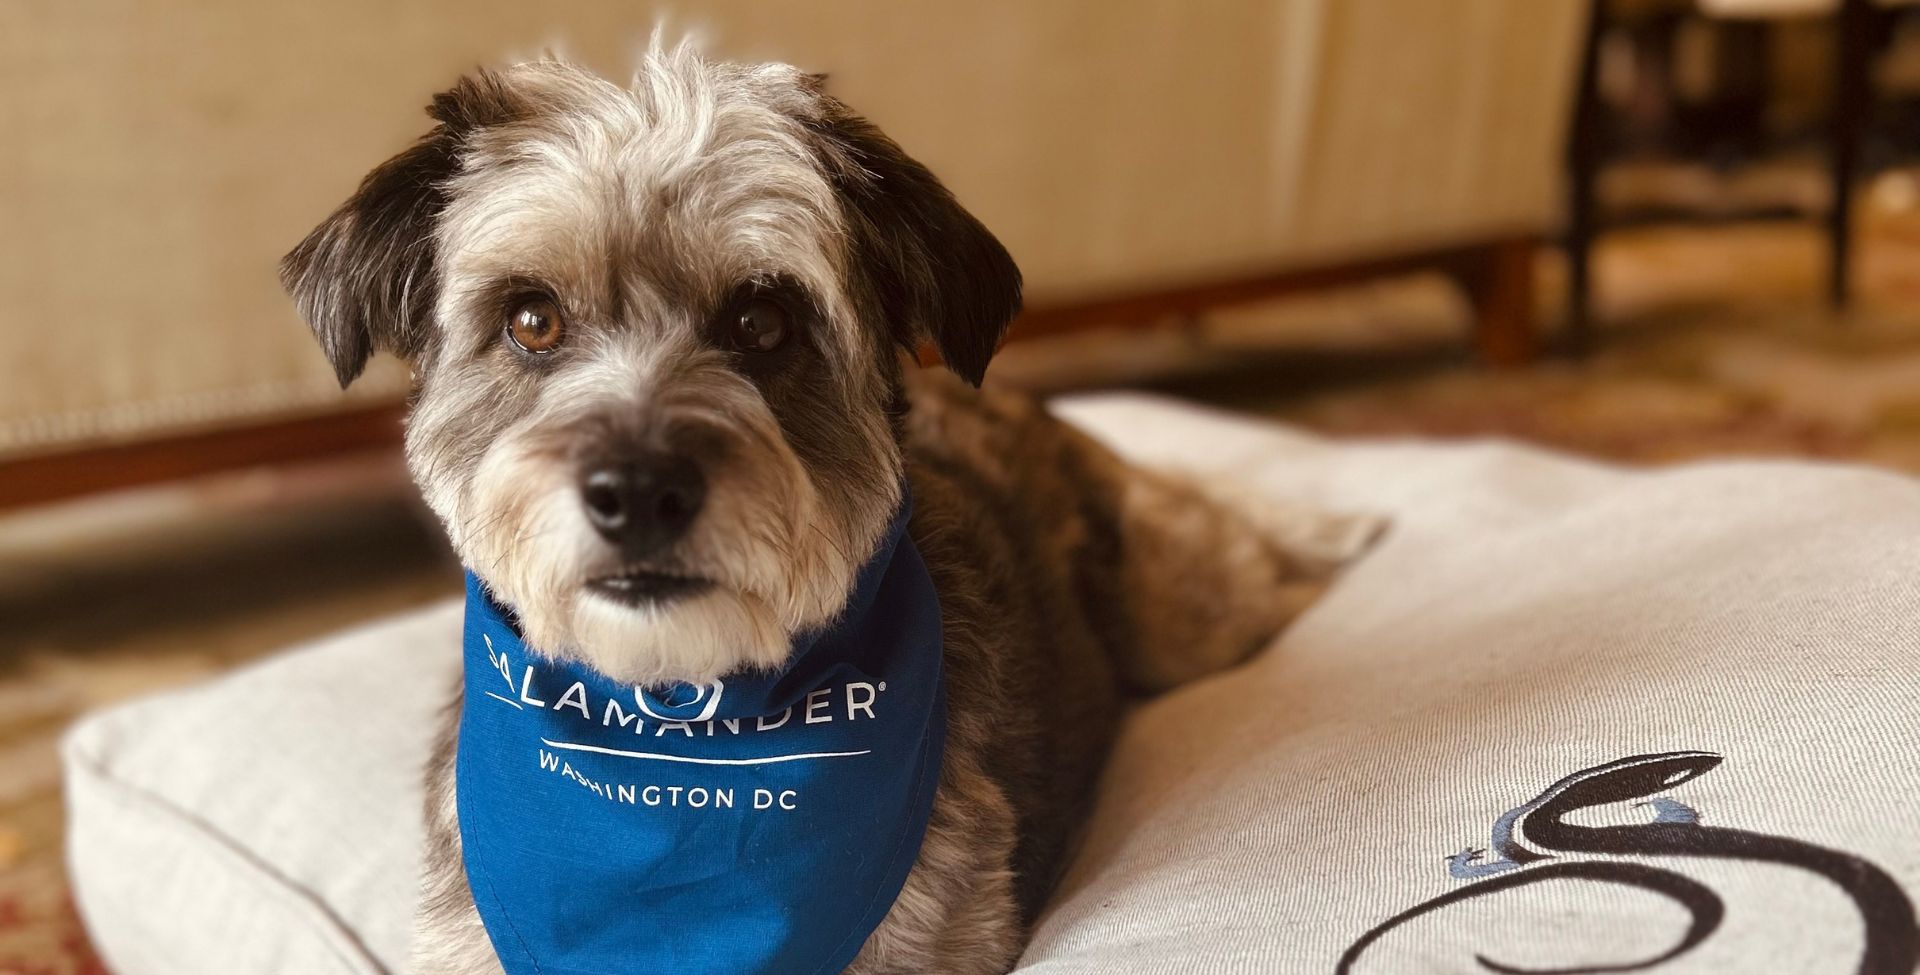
(1069, 583)
(1068, 580)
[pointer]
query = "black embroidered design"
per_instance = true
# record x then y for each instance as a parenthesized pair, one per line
(1537, 831)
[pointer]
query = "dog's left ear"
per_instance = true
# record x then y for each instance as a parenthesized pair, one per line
(940, 276)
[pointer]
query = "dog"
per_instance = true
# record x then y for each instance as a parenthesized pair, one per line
(664, 403)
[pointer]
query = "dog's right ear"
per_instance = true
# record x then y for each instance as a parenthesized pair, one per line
(365, 279)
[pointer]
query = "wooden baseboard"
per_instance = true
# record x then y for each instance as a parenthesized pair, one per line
(1498, 288)
(1167, 304)
(54, 477)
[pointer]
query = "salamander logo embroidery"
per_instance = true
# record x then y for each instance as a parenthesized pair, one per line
(1529, 844)
(684, 697)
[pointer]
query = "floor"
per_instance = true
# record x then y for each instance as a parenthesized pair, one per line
(1713, 343)
(126, 596)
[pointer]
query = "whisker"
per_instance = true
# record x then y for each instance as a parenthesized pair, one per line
(830, 541)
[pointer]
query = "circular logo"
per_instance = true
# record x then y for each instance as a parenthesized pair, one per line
(679, 698)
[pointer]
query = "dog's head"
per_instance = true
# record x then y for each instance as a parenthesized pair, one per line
(655, 332)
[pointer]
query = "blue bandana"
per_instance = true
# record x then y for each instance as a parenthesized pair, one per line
(763, 823)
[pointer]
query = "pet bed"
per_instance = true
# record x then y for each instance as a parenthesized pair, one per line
(1693, 687)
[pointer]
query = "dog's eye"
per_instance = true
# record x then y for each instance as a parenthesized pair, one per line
(760, 325)
(535, 326)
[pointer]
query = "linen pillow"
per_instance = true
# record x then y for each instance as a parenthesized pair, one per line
(1529, 619)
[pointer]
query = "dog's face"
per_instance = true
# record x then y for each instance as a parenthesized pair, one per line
(655, 333)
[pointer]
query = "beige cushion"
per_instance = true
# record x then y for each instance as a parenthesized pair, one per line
(1528, 617)
(267, 822)
(179, 149)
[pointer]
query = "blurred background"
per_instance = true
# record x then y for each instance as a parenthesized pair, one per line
(1640, 230)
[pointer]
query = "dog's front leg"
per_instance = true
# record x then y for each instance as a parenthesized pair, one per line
(957, 914)
(448, 938)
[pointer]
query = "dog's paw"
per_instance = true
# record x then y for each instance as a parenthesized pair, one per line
(1316, 540)
(1340, 538)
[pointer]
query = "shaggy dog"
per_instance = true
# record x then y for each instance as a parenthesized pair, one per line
(661, 405)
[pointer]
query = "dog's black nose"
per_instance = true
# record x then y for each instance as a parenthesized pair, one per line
(643, 505)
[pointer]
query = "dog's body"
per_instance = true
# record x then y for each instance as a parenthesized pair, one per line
(694, 425)
(1067, 580)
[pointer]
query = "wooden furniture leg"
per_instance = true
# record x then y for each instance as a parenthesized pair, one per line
(1499, 283)
(1851, 56)
(1583, 164)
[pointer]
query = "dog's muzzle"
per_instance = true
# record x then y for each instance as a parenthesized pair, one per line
(642, 505)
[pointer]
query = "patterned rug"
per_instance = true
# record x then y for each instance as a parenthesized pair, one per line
(1745, 360)
(125, 596)
(1714, 344)
(1754, 383)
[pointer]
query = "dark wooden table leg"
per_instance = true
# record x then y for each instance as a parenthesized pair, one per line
(1583, 166)
(1499, 283)
(1849, 108)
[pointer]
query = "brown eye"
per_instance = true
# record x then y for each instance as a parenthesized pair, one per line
(535, 326)
(759, 326)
